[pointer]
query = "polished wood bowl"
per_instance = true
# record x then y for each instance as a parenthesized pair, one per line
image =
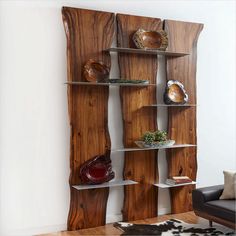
(150, 39)
(175, 93)
(95, 71)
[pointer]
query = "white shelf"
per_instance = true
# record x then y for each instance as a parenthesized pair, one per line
(146, 51)
(171, 105)
(173, 186)
(105, 185)
(109, 84)
(153, 148)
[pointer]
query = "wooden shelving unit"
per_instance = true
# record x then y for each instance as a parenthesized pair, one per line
(89, 36)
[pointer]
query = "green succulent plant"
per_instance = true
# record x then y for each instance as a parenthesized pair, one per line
(160, 136)
(148, 137)
(157, 136)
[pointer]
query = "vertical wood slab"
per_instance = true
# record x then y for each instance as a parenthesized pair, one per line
(140, 201)
(88, 33)
(183, 37)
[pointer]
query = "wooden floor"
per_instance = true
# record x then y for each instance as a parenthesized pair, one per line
(108, 229)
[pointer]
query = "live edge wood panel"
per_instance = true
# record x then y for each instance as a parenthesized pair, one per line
(88, 34)
(183, 37)
(140, 201)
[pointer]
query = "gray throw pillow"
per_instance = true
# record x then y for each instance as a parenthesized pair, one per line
(229, 185)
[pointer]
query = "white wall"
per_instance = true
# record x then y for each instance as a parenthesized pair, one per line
(34, 130)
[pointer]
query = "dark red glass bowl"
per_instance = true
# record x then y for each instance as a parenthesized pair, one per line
(97, 170)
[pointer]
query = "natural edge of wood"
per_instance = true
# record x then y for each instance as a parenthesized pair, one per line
(140, 201)
(183, 36)
(88, 33)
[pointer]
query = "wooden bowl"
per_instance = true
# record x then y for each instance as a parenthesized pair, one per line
(175, 93)
(150, 39)
(95, 71)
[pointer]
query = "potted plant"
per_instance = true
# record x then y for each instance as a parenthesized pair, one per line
(154, 139)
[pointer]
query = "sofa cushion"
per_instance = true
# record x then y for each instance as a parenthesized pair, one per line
(221, 208)
(229, 185)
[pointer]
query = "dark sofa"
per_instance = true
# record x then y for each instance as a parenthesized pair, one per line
(206, 204)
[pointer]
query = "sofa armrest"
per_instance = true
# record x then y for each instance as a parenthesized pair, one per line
(203, 195)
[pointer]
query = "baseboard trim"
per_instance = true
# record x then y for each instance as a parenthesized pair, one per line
(113, 218)
(164, 211)
(34, 231)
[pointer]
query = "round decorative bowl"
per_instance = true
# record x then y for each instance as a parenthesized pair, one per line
(175, 93)
(150, 39)
(95, 71)
(97, 170)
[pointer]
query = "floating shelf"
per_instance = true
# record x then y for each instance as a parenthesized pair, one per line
(171, 105)
(173, 186)
(152, 148)
(146, 51)
(105, 185)
(109, 84)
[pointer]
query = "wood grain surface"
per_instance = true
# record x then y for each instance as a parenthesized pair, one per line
(140, 201)
(88, 33)
(183, 37)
